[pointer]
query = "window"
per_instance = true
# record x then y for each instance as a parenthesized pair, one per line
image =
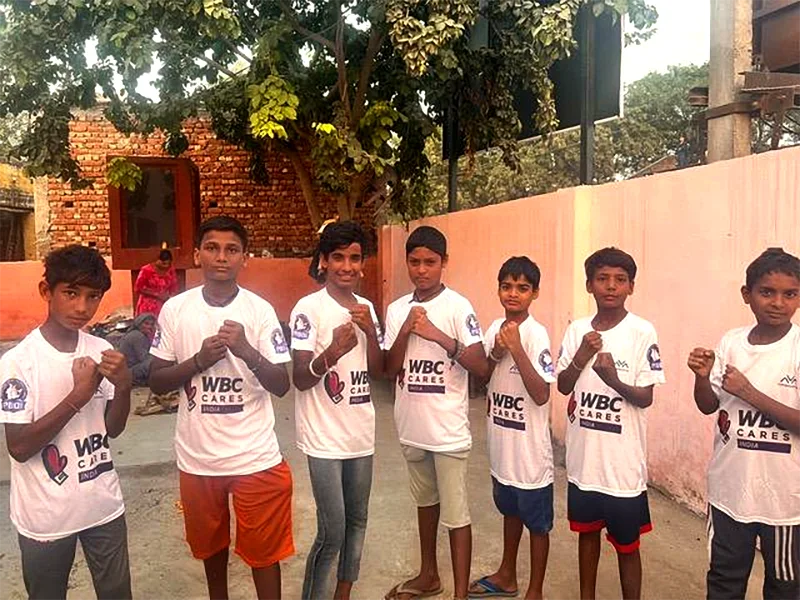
(163, 209)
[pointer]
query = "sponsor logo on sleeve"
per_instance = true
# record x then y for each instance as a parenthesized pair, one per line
(279, 342)
(546, 362)
(654, 358)
(473, 326)
(301, 328)
(156, 343)
(13, 395)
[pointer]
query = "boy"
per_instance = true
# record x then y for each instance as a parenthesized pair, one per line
(434, 340)
(754, 474)
(608, 366)
(518, 419)
(64, 393)
(225, 347)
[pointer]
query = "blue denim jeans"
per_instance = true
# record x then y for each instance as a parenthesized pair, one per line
(341, 491)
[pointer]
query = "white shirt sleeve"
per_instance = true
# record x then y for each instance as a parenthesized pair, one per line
(272, 343)
(538, 350)
(568, 349)
(16, 396)
(649, 370)
(489, 338)
(468, 328)
(393, 326)
(304, 324)
(718, 370)
(163, 346)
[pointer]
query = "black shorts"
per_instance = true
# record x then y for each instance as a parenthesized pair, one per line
(624, 519)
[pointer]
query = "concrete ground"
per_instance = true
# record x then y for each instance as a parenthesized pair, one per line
(674, 554)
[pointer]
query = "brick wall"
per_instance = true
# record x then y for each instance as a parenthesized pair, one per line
(274, 213)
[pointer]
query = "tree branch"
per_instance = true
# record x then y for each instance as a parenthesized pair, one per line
(236, 51)
(376, 38)
(292, 16)
(209, 61)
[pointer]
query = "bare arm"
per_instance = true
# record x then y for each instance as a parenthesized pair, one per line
(786, 416)
(343, 341)
(538, 389)
(24, 440)
(569, 377)
(641, 396)
(636, 395)
(704, 396)
(166, 376)
(273, 377)
(701, 361)
(118, 411)
(591, 344)
(734, 382)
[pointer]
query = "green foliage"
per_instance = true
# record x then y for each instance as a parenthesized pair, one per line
(358, 86)
(122, 173)
(271, 101)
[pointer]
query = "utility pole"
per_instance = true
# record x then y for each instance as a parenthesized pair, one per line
(731, 54)
(587, 97)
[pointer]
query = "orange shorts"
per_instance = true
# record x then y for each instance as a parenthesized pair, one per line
(262, 503)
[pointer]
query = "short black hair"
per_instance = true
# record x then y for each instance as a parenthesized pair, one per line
(222, 223)
(610, 257)
(520, 266)
(772, 260)
(165, 255)
(77, 265)
(427, 237)
(335, 236)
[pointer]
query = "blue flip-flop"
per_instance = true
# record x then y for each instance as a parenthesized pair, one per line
(490, 590)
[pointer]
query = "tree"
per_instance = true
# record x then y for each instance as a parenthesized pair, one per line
(356, 86)
(656, 115)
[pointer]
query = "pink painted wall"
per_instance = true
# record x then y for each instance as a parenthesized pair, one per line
(22, 309)
(692, 232)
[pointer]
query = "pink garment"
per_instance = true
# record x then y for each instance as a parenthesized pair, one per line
(153, 289)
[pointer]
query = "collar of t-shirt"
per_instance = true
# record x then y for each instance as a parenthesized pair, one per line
(55, 353)
(433, 301)
(759, 348)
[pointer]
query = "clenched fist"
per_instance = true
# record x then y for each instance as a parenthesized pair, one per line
(701, 361)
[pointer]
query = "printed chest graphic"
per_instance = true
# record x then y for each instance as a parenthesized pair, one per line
(357, 390)
(596, 411)
(217, 394)
(92, 459)
(753, 431)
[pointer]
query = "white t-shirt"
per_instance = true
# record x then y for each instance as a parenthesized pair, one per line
(71, 485)
(754, 474)
(432, 391)
(225, 419)
(335, 418)
(606, 434)
(520, 450)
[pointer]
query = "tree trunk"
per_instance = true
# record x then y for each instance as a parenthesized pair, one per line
(306, 185)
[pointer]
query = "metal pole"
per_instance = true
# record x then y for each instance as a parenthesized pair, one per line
(452, 161)
(588, 97)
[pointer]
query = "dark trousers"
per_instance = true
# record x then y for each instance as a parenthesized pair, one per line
(46, 565)
(733, 548)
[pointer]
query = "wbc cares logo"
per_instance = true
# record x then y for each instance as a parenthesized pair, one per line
(571, 406)
(724, 424)
(54, 463)
(334, 386)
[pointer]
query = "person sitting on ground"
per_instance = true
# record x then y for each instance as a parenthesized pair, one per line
(135, 345)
